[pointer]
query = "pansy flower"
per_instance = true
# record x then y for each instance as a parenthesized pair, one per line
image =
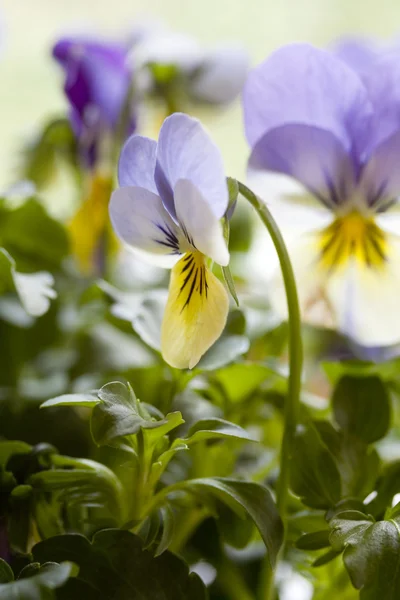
(171, 198)
(213, 76)
(358, 52)
(333, 142)
(97, 82)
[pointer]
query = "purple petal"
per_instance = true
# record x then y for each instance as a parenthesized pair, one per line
(185, 151)
(383, 85)
(137, 163)
(96, 76)
(301, 84)
(380, 178)
(222, 77)
(141, 221)
(357, 52)
(311, 155)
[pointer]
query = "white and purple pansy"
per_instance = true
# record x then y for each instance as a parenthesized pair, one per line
(331, 139)
(169, 206)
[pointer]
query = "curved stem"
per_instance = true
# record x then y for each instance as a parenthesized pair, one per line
(292, 402)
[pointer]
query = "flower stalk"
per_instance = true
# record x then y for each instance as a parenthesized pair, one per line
(292, 402)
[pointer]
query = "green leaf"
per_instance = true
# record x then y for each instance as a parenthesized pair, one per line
(315, 540)
(39, 158)
(211, 429)
(82, 481)
(158, 467)
(348, 527)
(371, 553)
(314, 474)
(387, 371)
(10, 447)
(19, 525)
(32, 236)
(6, 572)
(361, 407)
(233, 192)
(388, 485)
(325, 558)
(38, 587)
(225, 350)
(117, 567)
(88, 399)
(245, 499)
(242, 379)
(168, 520)
(34, 289)
(236, 323)
(120, 414)
(358, 463)
(230, 283)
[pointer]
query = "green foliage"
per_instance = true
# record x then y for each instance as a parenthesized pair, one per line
(245, 498)
(361, 407)
(40, 488)
(119, 420)
(116, 566)
(36, 582)
(40, 157)
(315, 475)
(6, 572)
(371, 552)
(32, 237)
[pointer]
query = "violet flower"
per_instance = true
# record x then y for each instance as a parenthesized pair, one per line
(333, 141)
(172, 196)
(97, 83)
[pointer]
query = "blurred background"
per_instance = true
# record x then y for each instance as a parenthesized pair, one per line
(31, 82)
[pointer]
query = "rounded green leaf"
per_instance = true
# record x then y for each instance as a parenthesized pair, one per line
(361, 406)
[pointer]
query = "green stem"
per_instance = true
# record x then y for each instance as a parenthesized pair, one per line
(190, 521)
(292, 402)
(232, 582)
(144, 465)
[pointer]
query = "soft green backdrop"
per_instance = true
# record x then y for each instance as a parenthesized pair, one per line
(30, 83)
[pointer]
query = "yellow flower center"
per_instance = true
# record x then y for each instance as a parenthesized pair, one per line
(353, 235)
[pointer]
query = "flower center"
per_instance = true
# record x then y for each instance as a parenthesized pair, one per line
(353, 235)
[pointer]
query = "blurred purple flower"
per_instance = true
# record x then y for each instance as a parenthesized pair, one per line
(358, 52)
(97, 82)
(333, 140)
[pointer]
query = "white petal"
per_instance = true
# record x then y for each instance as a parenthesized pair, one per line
(222, 76)
(168, 48)
(311, 282)
(141, 221)
(295, 210)
(35, 291)
(390, 220)
(358, 301)
(366, 301)
(198, 220)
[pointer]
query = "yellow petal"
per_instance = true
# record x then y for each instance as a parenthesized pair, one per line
(195, 314)
(90, 226)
